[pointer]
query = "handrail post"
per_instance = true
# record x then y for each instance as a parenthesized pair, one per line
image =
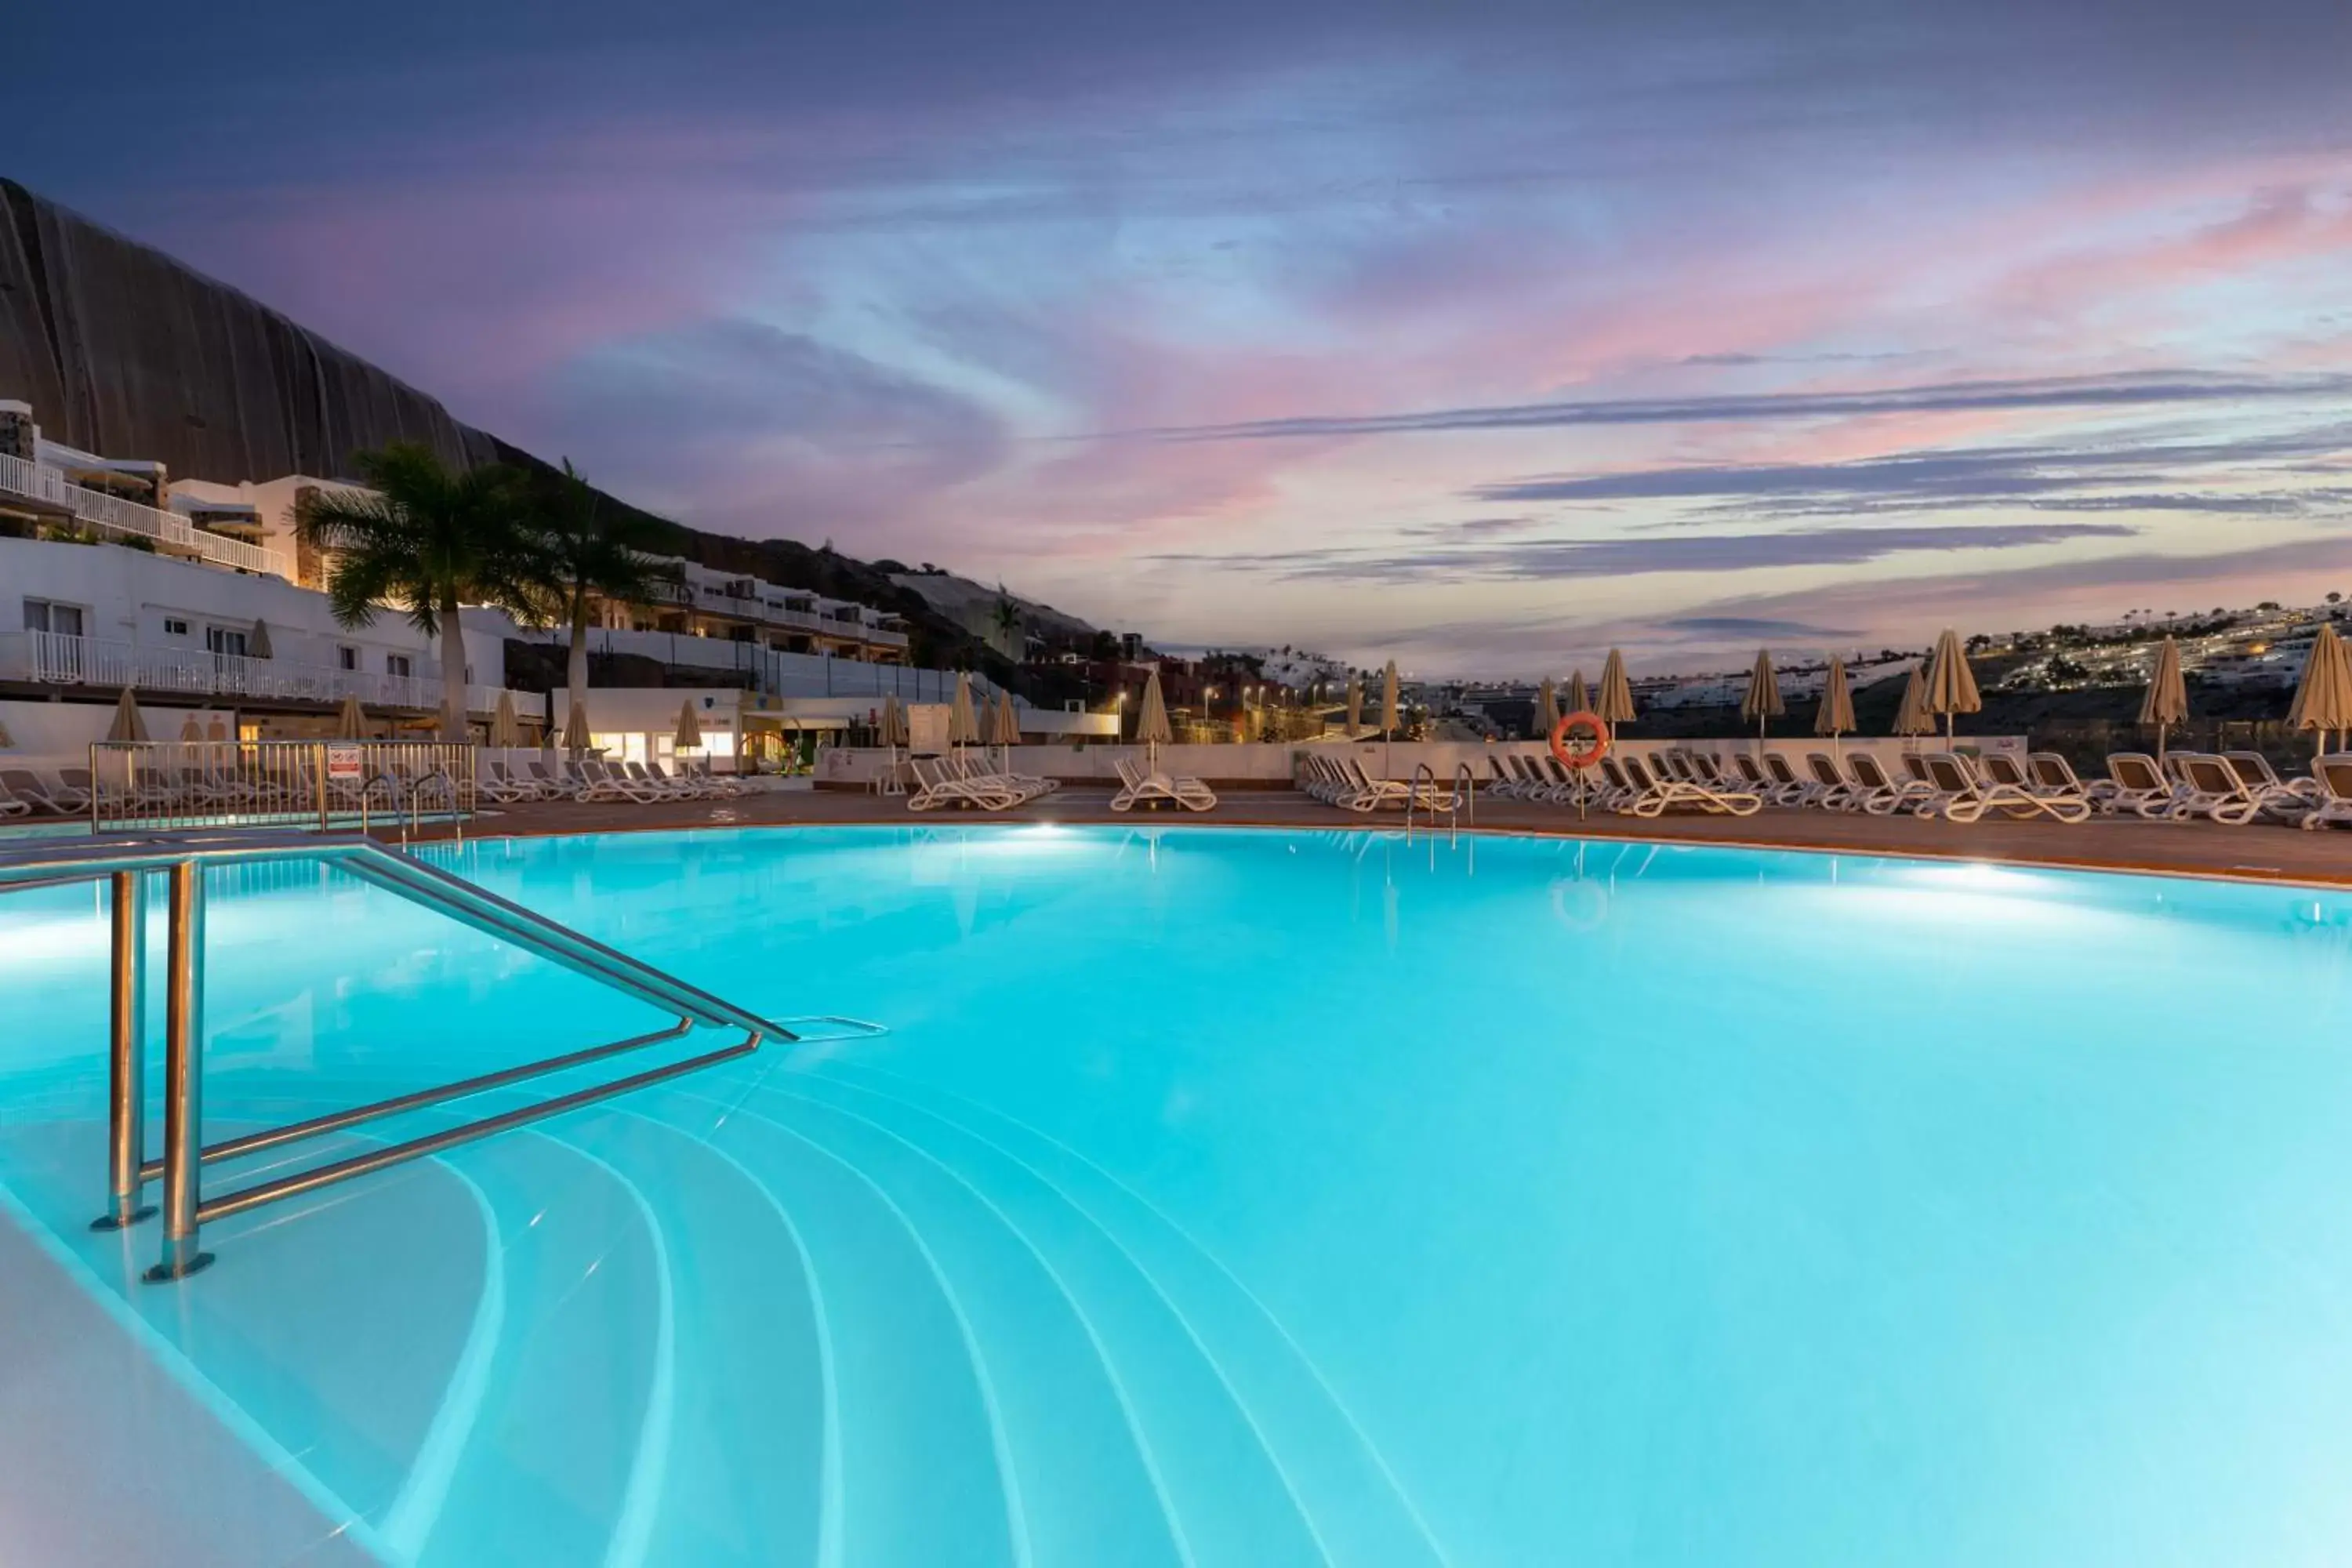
(126, 1127)
(318, 774)
(184, 1071)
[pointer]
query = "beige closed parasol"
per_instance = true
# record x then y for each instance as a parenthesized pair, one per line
(2323, 697)
(2166, 702)
(1613, 705)
(1834, 718)
(1951, 684)
(1151, 718)
(1762, 704)
(127, 728)
(963, 725)
(1911, 716)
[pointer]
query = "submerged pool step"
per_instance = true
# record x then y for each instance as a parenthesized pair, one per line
(917, 1471)
(743, 1477)
(1086, 1489)
(1363, 1515)
(551, 1437)
(1229, 1496)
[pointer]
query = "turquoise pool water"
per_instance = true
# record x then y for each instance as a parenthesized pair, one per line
(1230, 1198)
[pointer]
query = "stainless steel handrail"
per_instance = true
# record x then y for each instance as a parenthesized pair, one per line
(126, 861)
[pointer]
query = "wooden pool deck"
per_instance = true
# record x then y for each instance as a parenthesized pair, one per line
(2258, 852)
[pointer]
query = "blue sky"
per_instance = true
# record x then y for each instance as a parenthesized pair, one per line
(1480, 336)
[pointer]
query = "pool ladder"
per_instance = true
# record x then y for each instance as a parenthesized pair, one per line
(128, 862)
(1461, 802)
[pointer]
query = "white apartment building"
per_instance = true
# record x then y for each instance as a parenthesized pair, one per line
(737, 608)
(113, 576)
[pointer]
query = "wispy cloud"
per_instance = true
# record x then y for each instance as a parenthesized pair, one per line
(1566, 558)
(1712, 627)
(2082, 476)
(2133, 390)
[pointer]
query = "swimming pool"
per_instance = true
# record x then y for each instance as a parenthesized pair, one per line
(1230, 1198)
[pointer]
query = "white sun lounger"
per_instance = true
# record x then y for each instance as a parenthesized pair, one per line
(1140, 788)
(937, 785)
(1962, 796)
(2286, 799)
(1642, 794)
(2209, 787)
(2333, 776)
(39, 793)
(2140, 786)
(1872, 792)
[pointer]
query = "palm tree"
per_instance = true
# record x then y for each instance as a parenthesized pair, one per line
(424, 539)
(588, 552)
(1007, 617)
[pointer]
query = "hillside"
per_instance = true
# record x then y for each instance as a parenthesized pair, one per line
(972, 606)
(124, 351)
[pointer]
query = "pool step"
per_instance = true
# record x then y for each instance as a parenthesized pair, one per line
(1087, 1490)
(1361, 1512)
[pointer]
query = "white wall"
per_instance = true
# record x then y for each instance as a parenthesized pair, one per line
(55, 734)
(128, 595)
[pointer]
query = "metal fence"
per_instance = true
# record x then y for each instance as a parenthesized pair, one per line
(297, 784)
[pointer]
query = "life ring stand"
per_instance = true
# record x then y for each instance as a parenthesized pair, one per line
(1577, 761)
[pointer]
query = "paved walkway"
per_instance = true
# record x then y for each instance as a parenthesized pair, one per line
(2263, 852)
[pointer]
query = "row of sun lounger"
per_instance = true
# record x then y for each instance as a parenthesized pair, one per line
(595, 779)
(1140, 786)
(2232, 787)
(25, 793)
(166, 791)
(1345, 783)
(967, 783)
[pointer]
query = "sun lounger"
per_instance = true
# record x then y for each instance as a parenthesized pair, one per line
(42, 795)
(1872, 792)
(2002, 768)
(498, 783)
(1785, 785)
(1830, 788)
(2209, 787)
(1140, 788)
(937, 785)
(2139, 786)
(2333, 776)
(2286, 799)
(603, 780)
(1031, 785)
(1638, 793)
(1963, 795)
(1516, 778)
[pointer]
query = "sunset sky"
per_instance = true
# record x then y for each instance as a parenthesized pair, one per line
(1479, 336)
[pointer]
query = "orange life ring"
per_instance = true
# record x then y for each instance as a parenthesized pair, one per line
(1580, 761)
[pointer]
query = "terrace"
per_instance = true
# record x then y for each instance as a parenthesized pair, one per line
(47, 493)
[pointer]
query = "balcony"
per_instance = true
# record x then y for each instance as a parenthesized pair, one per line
(50, 492)
(53, 659)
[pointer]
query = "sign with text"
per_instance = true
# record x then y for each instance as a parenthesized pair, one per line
(343, 764)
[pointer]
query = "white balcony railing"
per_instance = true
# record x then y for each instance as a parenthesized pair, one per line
(115, 515)
(53, 659)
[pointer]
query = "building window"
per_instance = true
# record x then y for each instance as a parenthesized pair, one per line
(224, 642)
(173, 629)
(346, 657)
(397, 664)
(64, 620)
